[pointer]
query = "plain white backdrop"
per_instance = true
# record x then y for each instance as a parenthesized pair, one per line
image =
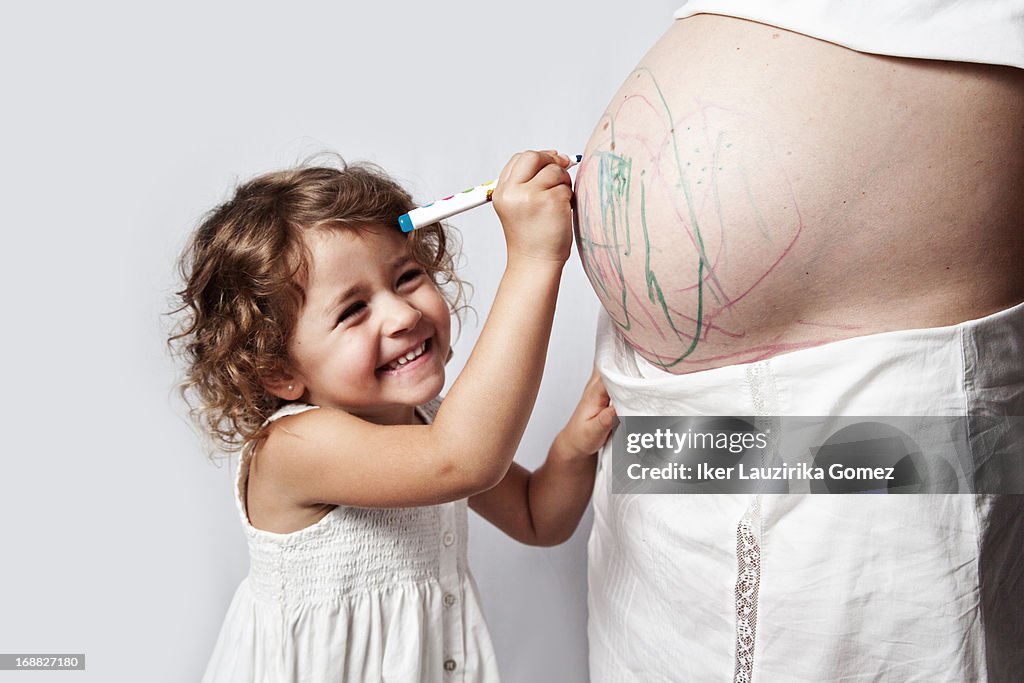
(122, 124)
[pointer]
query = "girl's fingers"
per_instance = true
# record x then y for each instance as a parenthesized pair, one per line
(525, 165)
(560, 159)
(598, 429)
(595, 404)
(595, 388)
(607, 417)
(552, 175)
(505, 172)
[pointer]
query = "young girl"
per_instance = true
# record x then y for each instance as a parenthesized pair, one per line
(317, 334)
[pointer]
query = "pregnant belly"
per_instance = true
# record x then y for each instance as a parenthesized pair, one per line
(751, 191)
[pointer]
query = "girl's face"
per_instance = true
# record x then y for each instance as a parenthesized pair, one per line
(374, 332)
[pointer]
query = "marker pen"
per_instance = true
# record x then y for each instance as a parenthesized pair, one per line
(456, 203)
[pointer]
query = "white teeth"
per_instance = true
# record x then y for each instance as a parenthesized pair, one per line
(412, 355)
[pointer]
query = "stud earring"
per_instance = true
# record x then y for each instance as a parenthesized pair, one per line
(290, 387)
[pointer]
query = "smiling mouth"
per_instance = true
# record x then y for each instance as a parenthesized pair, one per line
(407, 358)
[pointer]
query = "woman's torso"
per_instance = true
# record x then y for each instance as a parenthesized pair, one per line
(751, 191)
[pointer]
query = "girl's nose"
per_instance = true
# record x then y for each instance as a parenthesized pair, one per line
(400, 316)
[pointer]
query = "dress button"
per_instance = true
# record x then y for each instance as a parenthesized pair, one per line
(449, 599)
(449, 665)
(448, 538)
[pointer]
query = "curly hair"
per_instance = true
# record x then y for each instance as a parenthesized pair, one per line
(243, 272)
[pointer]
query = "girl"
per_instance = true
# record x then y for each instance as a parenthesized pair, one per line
(316, 335)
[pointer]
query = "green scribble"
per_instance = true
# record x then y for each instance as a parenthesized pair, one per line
(654, 292)
(614, 189)
(702, 259)
(612, 232)
(614, 183)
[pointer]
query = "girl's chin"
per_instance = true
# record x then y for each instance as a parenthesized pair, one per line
(431, 389)
(397, 410)
(419, 391)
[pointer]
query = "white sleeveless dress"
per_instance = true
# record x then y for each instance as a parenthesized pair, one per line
(362, 595)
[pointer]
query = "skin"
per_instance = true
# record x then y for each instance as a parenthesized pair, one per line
(751, 191)
(367, 304)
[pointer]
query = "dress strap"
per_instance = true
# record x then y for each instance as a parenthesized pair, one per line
(242, 475)
(289, 409)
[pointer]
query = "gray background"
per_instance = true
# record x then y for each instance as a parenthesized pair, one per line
(124, 122)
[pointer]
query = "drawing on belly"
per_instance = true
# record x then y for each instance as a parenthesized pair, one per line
(665, 200)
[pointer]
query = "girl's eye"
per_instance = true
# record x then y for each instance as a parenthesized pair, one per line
(352, 310)
(410, 275)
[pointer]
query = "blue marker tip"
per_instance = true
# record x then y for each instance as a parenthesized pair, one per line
(405, 222)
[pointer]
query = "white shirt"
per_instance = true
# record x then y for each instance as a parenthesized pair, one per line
(986, 31)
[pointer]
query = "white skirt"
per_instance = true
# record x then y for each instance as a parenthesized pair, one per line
(817, 587)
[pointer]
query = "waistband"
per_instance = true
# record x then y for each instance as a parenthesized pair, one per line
(973, 367)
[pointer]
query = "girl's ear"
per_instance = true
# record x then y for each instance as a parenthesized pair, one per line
(284, 385)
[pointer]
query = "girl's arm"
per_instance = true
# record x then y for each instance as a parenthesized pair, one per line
(544, 507)
(328, 456)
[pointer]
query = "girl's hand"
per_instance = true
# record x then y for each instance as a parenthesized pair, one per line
(591, 423)
(533, 200)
